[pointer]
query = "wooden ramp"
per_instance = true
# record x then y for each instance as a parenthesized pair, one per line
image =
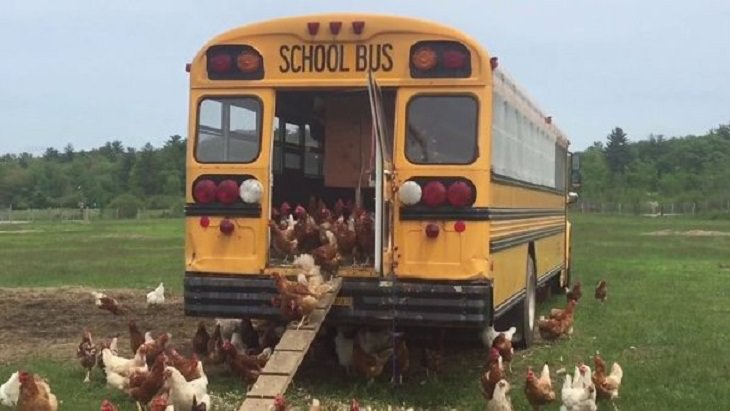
(287, 356)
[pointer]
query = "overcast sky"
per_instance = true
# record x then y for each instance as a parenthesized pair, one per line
(87, 72)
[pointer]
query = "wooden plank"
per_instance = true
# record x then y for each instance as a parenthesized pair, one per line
(283, 363)
(257, 404)
(287, 356)
(268, 386)
(295, 340)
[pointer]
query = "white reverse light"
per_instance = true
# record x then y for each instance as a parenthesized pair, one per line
(251, 191)
(410, 193)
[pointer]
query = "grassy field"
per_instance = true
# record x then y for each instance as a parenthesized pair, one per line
(666, 320)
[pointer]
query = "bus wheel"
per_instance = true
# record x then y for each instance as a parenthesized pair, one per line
(529, 305)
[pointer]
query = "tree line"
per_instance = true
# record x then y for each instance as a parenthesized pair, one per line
(690, 169)
(109, 176)
(680, 169)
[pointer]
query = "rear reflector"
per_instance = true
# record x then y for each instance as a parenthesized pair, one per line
(432, 230)
(226, 227)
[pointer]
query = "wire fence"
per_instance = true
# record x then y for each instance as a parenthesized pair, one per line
(79, 214)
(654, 208)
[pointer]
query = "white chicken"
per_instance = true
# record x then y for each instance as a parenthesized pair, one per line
(182, 391)
(578, 396)
(500, 401)
(10, 390)
(156, 296)
(123, 366)
(489, 334)
(117, 381)
(228, 326)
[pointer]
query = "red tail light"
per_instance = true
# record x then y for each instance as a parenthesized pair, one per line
(460, 194)
(424, 59)
(204, 191)
(227, 227)
(204, 221)
(227, 192)
(459, 226)
(221, 63)
(434, 194)
(454, 59)
(432, 230)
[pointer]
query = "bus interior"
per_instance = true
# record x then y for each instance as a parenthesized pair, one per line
(323, 154)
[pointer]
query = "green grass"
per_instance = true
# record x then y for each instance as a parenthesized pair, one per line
(666, 320)
(128, 254)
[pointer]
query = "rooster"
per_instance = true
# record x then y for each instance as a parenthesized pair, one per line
(539, 391)
(104, 302)
(10, 390)
(86, 353)
(35, 394)
(601, 291)
(156, 296)
(500, 401)
(607, 385)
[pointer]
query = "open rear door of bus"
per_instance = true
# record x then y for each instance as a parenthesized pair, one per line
(384, 170)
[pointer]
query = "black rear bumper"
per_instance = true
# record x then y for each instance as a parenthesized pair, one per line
(366, 300)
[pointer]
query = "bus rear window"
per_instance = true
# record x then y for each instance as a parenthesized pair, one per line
(442, 130)
(229, 130)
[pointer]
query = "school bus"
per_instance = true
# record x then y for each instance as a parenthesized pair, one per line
(464, 179)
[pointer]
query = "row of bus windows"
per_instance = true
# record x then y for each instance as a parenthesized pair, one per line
(441, 130)
(523, 150)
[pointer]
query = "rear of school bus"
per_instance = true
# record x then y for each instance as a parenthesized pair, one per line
(309, 75)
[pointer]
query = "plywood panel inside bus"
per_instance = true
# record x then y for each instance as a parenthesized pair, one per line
(347, 140)
(348, 137)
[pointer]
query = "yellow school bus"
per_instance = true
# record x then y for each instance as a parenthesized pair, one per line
(456, 181)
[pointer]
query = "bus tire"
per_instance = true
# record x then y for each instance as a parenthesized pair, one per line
(529, 305)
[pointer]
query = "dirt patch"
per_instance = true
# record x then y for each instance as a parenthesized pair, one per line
(18, 231)
(49, 321)
(690, 233)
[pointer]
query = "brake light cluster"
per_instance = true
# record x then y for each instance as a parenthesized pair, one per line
(436, 193)
(228, 191)
(234, 62)
(440, 59)
(210, 190)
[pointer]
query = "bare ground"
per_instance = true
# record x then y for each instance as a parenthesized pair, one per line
(51, 320)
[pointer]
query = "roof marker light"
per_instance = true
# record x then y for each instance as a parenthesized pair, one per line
(335, 27)
(313, 28)
(358, 27)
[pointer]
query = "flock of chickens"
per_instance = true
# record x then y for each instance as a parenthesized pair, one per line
(579, 391)
(327, 235)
